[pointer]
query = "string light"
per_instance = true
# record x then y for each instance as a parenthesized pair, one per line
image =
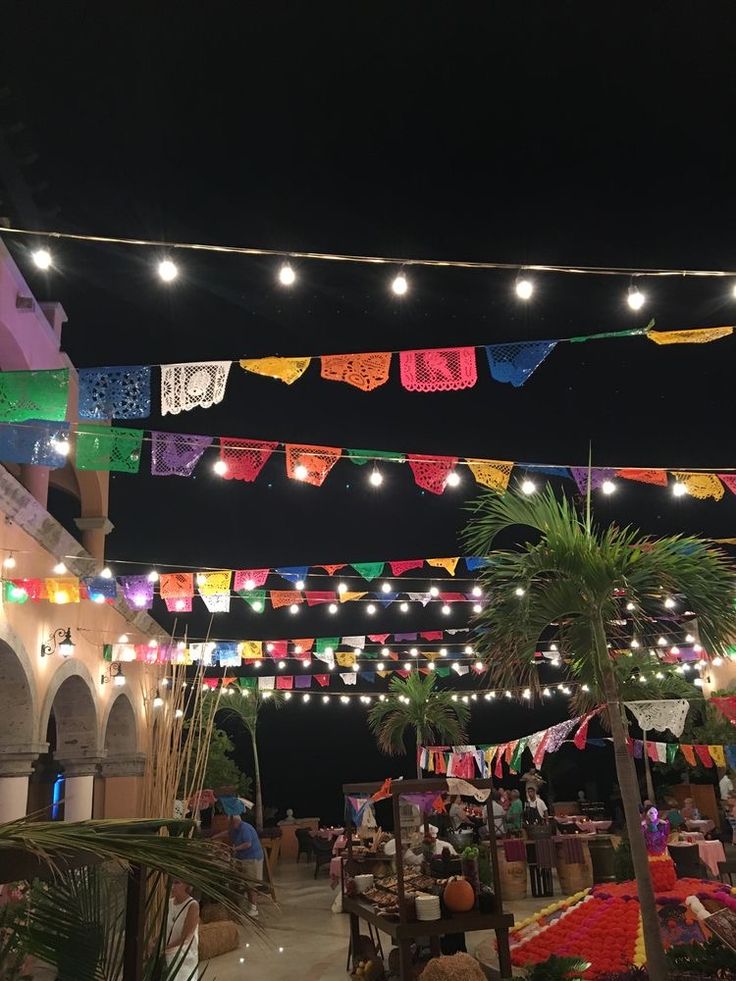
(717, 661)
(669, 603)
(407, 666)
(282, 665)
(257, 664)
(528, 487)
(59, 568)
(661, 641)
(9, 561)
(287, 696)
(608, 487)
(400, 285)
(519, 591)
(479, 665)
(634, 643)
(443, 652)
(446, 609)
(477, 608)
(300, 471)
(379, 666)
(371, 608)
(404, 607)
(61, 445)
(434, 591)
(453, 479)
(689, 639)
(342, 588)
(332, 608)
(385, 587)
(106, 573)
(178, 713)
(679, 489)
(524, 288)
(630, 607)
(167, 270)
(477, 591)
(325, 699)
(157, 700)
(42, 258)
(294, 608)
(220, 468)
(635, 298)
(287, 276)
(376, 478)
(152, 576)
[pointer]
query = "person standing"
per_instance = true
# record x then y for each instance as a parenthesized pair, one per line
(182, 933)
(248, 852)
(535, 811)
(725, 785)
(515, 813)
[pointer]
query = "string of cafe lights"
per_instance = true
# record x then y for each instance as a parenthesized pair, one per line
(525, 285)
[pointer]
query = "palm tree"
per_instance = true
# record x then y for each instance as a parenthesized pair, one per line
(415, 704)
(248, 709)
(578, 577)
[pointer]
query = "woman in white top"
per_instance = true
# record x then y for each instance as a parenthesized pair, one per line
(182, 932)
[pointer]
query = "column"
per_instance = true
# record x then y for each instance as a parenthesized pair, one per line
(79, 785)
(123, 791)
(94, 531)
(16, 766)
(36, 481)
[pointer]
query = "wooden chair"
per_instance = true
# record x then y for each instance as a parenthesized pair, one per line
(727, 868)
(305, 843)
(322, 851)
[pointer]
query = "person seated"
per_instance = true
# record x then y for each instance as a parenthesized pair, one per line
(672, 813)
(458, 813)
(690, 811)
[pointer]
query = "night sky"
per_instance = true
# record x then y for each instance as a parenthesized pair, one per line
(558, 133)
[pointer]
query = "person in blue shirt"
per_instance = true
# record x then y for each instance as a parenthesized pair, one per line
(247, 849)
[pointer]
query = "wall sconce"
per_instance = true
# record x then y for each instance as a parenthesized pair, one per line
(59, 642)
(114, 674)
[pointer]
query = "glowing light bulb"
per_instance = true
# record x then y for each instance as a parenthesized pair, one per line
(178, 713)
(469, 650)
(584, 688)
(300, 471)
(342, 588)
(698, 682)
(344, 699)
(287, 696)
(294, 608)
(553, 647)
(371, 608)
(325, 699)
(669, 603)
(507, 694)
(379, 666)
(430, 666)
(689, 639)
(659, 676)
(434, 591)
(332, 608)
(634, 644)
(282, 665)
(62, 446)
(376, 478)
(180, 604)
(152, 576)
(526, 693)
(257, 664)
(608, 487)
(477, 591)
(635, 298)
(42, 258)
(385, 651)
(167, 270)
(220, 468)
(630, 607)
(414, 652)
(9, 562)
(477, 608)
(453, 479)
(524, 289)
(404, 607)
(519, 591)
(478, 665)
(385, 587)
(59, 568)
(528, 487)
(400, 285)
(306, 696)
(446, 609)
(157, 701)
(678, 489)
(106, 573)
(661, 641)
(717, 662)
(287, 276)
(153, 642)
(407, 666)
(546, 692)
(443, 652)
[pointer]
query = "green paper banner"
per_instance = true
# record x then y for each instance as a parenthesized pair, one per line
(107, 448)
(248, 682)
(34, 395)
(255, 598)
(369, 570)
(14, 594)
(360, 457)
(322, 643)
(672, 752)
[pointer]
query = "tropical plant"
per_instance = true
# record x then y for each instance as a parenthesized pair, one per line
(578, 577)
(416, 704)
(558, 969)
(248, 710)
(70, 907)
(221, 769)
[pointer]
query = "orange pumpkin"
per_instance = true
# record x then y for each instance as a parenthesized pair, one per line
(459, 895)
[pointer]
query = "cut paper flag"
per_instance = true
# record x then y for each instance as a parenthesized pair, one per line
(244, 458)
(729, 479)
(704, 756)
(287, 370)
(63, 590)
(175, 585)
(449, 564)
(597, 476)
(266, 683)
(217, 603)
(361, 457)
(725, 704)
(100, 589)
(34, 395)
(438, 369)
(35, 441)
(491, 473)
(658, 477)
(212, 583)
(703, 335)
(347, 597)
(137, 592)
(293, 573)
(399, 568)
(255, 598)
(251, 650)
(363, 371)
(107, 448)
(199, 384)
(659, 715)
(700, 485)
(431, 472)
(176, 454)
(349, 677)
(249, 579)
(717, 755)
(516, 363)
(310, 464)
(285, 682)
(285, 597)
(688, 752)
(181, 604)
(115, 393)
(369, 570)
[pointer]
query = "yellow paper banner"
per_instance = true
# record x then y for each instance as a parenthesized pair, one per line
(345, 659)
(717, 754)
(62, 591)
(214, 583)
(492, 473)
(285, 369)
(449, 564)
(700, 485)
(251, 650)
(701, 336)
(346, 597)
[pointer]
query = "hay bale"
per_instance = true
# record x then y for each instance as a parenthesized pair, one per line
(213, 913)
(217, 938)
(457, 967)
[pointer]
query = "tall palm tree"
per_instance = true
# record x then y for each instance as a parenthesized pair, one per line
(416, 704)
(584, 580)
(248, 709)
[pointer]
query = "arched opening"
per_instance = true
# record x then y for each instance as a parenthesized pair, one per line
(120, 732)
(17, 715)
(75, 718)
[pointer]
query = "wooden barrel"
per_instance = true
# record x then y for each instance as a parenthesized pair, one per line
(513, 877)
(576, 876)
(602, 857)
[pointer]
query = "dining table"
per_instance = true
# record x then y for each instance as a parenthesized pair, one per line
(703, 825)
(711, 852)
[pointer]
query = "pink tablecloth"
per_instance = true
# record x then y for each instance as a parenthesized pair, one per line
(704, 825)
(335, 871)
(710, 852)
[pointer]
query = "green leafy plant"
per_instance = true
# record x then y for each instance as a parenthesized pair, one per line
(416, 705)
(574, 575)
(558, 969)
(221, 769)
(710, 957)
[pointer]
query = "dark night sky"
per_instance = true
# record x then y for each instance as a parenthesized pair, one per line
(560, 133)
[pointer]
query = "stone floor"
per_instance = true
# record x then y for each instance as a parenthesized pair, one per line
(304, 939)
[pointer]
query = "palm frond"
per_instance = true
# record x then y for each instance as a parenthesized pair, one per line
(415, 703)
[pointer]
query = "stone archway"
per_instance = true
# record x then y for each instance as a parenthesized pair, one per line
(19, 746)
(123, 765)
(120, 737)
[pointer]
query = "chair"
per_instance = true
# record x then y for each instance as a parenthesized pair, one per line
(727, 868)
(687, 861)
(322, 851)
(305, 842)
(540, 859)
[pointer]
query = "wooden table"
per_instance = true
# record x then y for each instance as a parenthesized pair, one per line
(404, 933)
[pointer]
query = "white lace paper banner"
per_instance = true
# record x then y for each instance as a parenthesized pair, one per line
(457, 786)
(667, 713)
(349, 677)
(266, 683)
(328, 658)
(217, 603)
(199, 384)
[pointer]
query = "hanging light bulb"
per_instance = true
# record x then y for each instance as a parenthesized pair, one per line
(325, 699)
(287, 276)
(59, 569)
(524, 288)
(379, 666)
(477, 591)
(608, 487)
(547, 692)
(679, 489)
(634, 644)
(669, 603)
(407, 666)
(152, 576)
(220, 468)
(528, 487)
(519, 591)
(453, 479)
(661, 641)
(294, 608)
(477, 608)
(332, 608)
(434, 591)
(9, 561)
(157, 700)
(306, 696)
(342, 588)
(469, 650)
(414, 652)
(400, 284)
(630, 607)
(376, 477)
(478, 665)
(42, 258)
(446, 609)
(257, 664)
(443, 652)
(385, 587)
(167, 270)
(371, 608)
(106, 573)
(689, 639)
(281, 665)
(404, 607)
(635, 298)
(300, 471)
